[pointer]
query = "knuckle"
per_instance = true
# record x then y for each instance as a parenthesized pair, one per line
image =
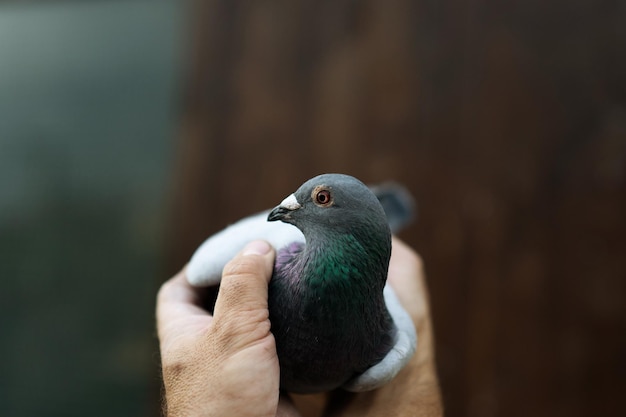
(173, 366)
(242, 327)
(243, 265)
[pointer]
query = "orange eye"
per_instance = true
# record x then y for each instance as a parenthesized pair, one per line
(323, 198)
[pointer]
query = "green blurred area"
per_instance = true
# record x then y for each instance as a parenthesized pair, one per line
(88, 96)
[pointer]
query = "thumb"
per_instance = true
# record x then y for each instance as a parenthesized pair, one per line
(242, 295)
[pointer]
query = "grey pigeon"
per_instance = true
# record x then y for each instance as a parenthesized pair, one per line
(335, 321)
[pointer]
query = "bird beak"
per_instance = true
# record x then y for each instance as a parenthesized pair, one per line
(283, 210)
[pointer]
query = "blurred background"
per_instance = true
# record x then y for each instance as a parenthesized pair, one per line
(132, 130)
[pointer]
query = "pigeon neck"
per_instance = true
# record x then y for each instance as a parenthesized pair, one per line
(341, 261)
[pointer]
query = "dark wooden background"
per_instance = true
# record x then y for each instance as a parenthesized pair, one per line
(507, 120)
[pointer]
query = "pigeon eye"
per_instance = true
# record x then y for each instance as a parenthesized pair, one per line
(323, 198)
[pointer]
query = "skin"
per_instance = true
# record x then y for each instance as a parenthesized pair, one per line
(213, 365)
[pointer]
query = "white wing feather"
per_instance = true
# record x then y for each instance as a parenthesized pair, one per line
(206, 264)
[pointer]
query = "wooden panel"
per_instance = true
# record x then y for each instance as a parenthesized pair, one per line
(508, 122)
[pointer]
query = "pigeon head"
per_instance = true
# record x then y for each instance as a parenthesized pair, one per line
(331, 204)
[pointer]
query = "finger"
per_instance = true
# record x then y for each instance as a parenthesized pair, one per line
(406, 277)
(177, 300)
(405, 267)
(244, 281)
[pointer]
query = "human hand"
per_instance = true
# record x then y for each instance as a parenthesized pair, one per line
(212, 365)
(223, 364)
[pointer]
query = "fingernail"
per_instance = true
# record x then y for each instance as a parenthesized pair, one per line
(257, 247)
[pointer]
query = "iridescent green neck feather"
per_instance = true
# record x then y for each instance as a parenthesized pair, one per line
(342, 261)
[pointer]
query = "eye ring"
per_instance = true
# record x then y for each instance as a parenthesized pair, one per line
(322, 197)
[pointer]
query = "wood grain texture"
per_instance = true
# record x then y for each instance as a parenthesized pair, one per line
(507, 122)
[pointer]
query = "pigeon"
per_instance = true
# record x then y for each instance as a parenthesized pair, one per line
(335, 321)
